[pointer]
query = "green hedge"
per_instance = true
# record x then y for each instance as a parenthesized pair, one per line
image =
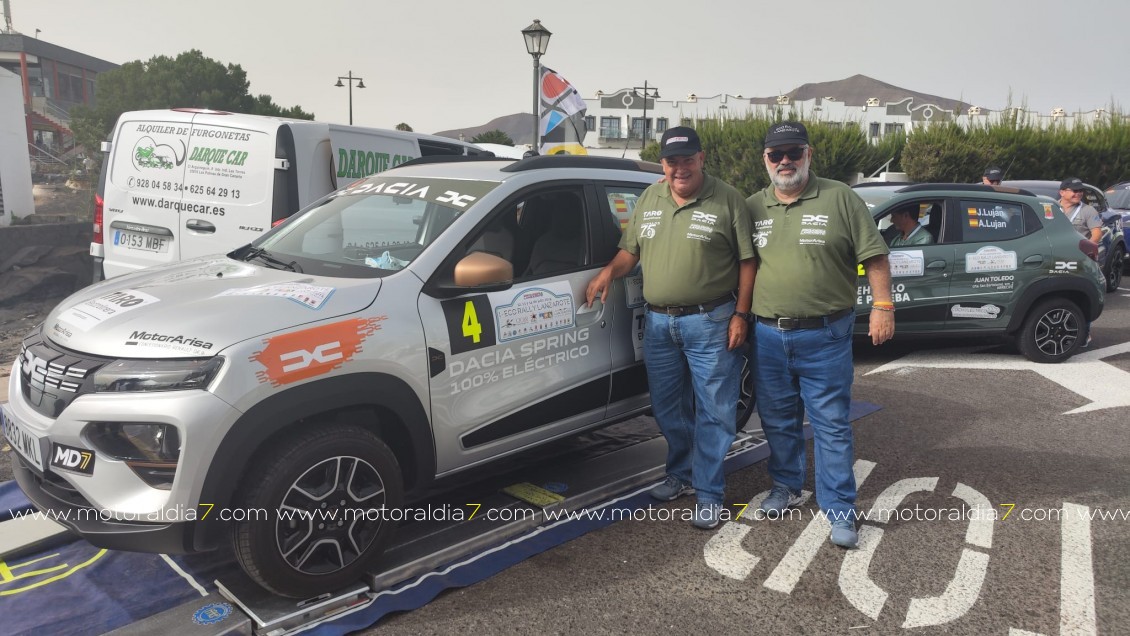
(943, 152)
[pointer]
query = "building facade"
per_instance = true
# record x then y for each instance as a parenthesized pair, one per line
(53, 80)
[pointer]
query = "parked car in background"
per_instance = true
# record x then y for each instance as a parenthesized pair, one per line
(1002, 263)
(1112, 243)
(1118, 197)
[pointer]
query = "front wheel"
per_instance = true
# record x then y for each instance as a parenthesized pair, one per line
(1053, 331)
(320, 501)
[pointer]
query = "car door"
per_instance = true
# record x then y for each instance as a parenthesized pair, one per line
(516, 364)
(625, 304)
(920, 274)
(1000, 246)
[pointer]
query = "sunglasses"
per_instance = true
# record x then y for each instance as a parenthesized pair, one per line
(794, 154)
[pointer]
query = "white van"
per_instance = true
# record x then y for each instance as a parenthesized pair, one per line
(182, 183)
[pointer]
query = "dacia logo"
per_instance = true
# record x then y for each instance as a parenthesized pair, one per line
(77, 460)
(703, 217)
(814, 219)
(1069, 266)
(323, 354)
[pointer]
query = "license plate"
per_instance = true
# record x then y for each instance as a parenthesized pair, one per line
(23, 441)
(141, 241)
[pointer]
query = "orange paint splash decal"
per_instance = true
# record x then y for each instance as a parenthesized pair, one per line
(302, 355)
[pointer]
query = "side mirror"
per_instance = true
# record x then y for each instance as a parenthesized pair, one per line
(480, 268)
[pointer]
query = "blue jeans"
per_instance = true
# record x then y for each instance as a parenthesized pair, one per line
(694, 394)
(809, 368)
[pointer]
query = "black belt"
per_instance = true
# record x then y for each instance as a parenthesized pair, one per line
(687, 310)
(788, 324)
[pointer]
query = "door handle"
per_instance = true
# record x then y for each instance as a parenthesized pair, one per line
(1035, 259)
(597, 309)
(936, 265)
(204, 227)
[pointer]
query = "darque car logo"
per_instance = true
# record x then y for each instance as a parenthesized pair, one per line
(149, 154)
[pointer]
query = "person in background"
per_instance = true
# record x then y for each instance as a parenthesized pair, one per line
(691, 235)
(910, 231)
(992, 176)
(1084, 218)
(810, 235)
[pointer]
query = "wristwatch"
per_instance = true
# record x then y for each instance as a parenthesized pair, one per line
(744, 315)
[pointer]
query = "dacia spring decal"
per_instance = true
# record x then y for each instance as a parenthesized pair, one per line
(302, 355)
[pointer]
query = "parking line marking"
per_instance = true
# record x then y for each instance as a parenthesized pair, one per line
(788, 572)
(185, 575)
(725, 555)
(857, 587)
(980, 531)
(1077, 574)
(958, 597)
(892, 495)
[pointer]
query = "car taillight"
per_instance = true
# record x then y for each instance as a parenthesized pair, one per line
(1090, 249)
(97, 219)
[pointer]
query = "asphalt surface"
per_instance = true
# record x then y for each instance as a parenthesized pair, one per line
(962, 424)
(1002, 433)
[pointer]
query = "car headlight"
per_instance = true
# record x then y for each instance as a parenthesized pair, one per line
(157, 375)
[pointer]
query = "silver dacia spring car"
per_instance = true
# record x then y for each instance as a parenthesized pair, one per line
(413, 325)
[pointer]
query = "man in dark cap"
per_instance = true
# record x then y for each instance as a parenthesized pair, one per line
(810, 234)
(691, 236)
(1084, 218)
(992, 176)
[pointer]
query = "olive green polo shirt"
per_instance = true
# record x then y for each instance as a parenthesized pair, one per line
(808, 250)
(689, 254)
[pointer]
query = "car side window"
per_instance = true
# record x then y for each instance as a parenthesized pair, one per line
(1095, 199)
(990, 221)
(930, 217)
(621, 203)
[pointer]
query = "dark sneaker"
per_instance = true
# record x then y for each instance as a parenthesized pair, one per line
(671, 488)
(706, 515)
(779, 500)
(844, 534)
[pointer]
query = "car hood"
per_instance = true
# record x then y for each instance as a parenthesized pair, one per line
(197, 308)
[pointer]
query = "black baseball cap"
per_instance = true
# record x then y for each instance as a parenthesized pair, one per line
(994, 173)
(1072, 183)
(786, 133)
(679, 141)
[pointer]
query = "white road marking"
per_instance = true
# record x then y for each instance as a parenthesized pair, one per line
(1077, 575)
(957, 599)
(724, 553)
(788, 572)
(185, 575)
(1084, 373)
(892, 496)
(980, 531)
(856, 586)
(1012, 631)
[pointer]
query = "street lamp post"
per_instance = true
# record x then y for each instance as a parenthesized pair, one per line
(652, 92)
(350, 79)
(537, 41)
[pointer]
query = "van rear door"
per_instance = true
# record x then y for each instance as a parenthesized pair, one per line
(228, 182)
(146, 176)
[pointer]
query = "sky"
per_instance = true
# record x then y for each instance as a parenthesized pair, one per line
(444, 64)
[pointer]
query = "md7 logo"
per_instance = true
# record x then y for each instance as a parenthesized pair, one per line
(703, 217)
(814, 219)
(1067, 266)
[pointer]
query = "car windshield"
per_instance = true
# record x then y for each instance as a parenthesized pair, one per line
(1119, 198)
(373, 228)
(874, 195)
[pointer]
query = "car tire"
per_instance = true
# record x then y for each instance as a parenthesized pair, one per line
(747, 398)
(329, 471)
(1053, 331)
(1114, 269)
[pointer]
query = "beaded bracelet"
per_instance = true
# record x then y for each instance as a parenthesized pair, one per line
(881, 308)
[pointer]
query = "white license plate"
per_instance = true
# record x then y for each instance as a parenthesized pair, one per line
(24, 442)
(141, 241)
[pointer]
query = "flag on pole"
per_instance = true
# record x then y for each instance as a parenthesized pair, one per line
(562, 124)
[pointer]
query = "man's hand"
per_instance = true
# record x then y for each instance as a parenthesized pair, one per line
(739, 328)
(598, 286)
(882, 326)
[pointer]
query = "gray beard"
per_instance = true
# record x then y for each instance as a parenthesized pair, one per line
(793, 183)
